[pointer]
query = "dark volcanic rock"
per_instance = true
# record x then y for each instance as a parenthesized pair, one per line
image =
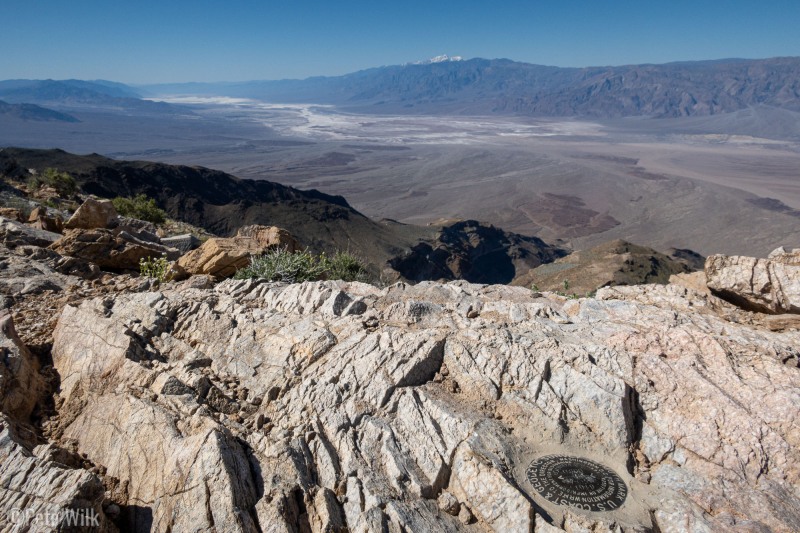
(475, 252)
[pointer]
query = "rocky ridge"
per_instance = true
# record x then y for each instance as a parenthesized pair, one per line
(331, 406)
(221, 204)
(613, 263)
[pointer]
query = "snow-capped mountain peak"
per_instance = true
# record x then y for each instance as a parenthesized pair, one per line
(438, 59)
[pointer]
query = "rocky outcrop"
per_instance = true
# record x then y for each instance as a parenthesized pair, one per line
(20, 274)
(769, 285)
(613, 263)
(37, 493)
(13, 234)
(93, 214)
(11, 213)
(222, 257)
(476, 252)
(39, 218)
(114, 249)
(270, 237)
(184, 243)
(323, 406)
(141, 229)
(21, 385)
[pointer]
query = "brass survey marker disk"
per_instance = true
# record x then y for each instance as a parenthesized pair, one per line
(577, 482)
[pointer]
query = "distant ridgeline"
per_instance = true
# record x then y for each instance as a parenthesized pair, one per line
(501, 86)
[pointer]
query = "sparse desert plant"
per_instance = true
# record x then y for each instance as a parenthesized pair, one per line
(344, 266)
(296, 267)
(157, 268)
(141, 207)
(282, 265)
(63, 183)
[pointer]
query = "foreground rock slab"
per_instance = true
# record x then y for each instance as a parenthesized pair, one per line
(342, 407)
(37, 493)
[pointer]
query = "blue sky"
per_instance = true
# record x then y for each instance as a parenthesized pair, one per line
(177, 40)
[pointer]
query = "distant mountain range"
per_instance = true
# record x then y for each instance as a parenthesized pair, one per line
(445, 85)
(78, 94)
(501, 86)
(34, 112)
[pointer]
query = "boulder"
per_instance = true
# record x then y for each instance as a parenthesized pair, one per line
(222, 257)
(270, 237)
(134, 224)
(185, 243)
(93, 214)
(110, 249)
(141, 229)
(769, 285)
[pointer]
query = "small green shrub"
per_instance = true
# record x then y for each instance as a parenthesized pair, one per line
(141, 207)
(283, 265)
(344, 266)
(296, 267)
(63, 183)
(158, 268)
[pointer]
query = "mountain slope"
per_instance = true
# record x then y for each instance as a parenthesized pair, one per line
(501, 86)
(34, 112)
(221, 203)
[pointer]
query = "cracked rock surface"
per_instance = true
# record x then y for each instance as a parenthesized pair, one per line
(769, 285)
(333, 406)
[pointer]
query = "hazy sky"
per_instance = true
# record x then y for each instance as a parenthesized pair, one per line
(200, 40)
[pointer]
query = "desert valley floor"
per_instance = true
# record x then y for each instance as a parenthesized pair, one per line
(665, 183)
